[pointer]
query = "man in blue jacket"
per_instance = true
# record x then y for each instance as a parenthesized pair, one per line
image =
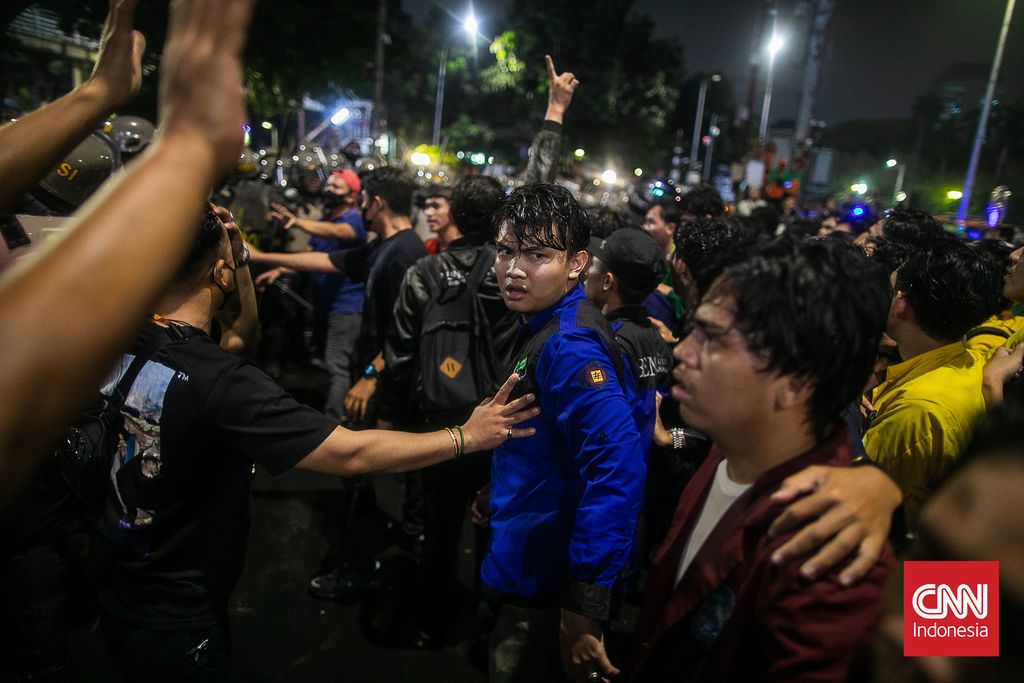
(564, 502)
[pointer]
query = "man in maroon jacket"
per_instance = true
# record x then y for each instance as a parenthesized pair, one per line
(780, 345)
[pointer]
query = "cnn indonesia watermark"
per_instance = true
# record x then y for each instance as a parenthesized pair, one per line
(951, 609)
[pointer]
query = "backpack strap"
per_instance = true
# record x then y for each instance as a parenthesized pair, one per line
(148, 351)
(994, 331)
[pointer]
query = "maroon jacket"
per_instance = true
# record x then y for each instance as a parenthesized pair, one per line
(737, 617)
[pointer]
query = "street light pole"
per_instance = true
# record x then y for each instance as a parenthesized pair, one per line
(435, 139)
(900, 172)
(986, 109)
(773, 48)
(712, 135)
(698, 122)
(470, 26)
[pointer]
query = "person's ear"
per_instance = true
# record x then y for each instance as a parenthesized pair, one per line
(792, 392)
(609, 282)
(578, 263)
(221, 274)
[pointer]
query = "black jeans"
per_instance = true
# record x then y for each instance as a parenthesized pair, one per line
(186, 654)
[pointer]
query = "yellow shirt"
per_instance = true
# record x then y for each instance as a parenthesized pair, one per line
(1015, 339)
(927, 407)
(986, 344)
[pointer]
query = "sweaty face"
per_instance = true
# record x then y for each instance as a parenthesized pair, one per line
(438, 213)
(533, 278)
(656, 227)
(719, 383)
(1013, 283)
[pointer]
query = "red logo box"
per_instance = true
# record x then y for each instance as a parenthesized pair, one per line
(951, 609)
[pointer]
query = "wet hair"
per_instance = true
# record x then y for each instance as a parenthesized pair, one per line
(544, 215)
(207, 244)
(475, 200)
(393, 186)
(795, 308)
(912, 226)
(702, 201)
(604, 220)
(710, 245)
(951, 288)
(997, 252)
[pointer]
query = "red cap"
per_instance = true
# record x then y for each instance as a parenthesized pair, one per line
(350, 178)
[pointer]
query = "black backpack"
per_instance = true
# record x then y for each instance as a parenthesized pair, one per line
(457, 362)
(86, 449)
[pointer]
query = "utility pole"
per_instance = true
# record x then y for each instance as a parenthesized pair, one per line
(747, 112)
(812, 68)
(986, 109)
(380, 120)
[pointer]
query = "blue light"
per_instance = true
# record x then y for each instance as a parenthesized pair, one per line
(788, 184)
(974, 235)
(992, 216)
(858, 211)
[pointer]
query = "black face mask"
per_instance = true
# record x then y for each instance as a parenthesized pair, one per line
(333, 200)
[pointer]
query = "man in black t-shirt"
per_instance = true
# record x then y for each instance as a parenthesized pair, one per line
(385, 202)
(196, 421)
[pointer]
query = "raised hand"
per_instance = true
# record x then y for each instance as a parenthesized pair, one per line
(201, 95)
(280, 212)
(493, 421)
(117, 75)
(562, 87)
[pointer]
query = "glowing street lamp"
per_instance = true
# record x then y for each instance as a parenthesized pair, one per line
(470, 26)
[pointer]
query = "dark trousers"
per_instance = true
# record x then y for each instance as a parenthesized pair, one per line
(448, 490)
(339, 356)
(190, 654)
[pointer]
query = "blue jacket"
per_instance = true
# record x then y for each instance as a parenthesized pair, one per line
(565, 501)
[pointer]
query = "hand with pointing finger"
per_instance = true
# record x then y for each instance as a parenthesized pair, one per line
(562, 87)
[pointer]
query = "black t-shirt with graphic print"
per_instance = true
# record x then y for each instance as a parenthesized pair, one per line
(197, 420)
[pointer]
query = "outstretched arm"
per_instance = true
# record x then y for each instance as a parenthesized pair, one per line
(31, 146)
(69, 310)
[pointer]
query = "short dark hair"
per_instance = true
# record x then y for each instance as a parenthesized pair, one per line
(889, 254)
(912, 226)
(710, 245)
(393, 186)
(604, 220)
(764, 219)
(997, 253)
(794, 306)
(475, 200)
(702, 201)
(546, 215)
(207, 242)
(670, 209)
(951, 288)
(437, 190)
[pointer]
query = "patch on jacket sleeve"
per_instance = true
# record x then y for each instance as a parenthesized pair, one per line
(593, 376)
(708, 620)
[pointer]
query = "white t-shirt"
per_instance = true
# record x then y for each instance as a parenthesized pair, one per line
(724, 492)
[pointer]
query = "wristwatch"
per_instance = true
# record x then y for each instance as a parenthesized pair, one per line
(370, 371)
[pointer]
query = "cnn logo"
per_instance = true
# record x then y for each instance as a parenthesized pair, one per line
(951, 609)
(936, 601)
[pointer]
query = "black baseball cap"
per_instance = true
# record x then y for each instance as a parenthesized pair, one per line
(633, 257)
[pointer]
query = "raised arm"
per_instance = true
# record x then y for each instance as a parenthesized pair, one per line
(239, 317)
(544, 150)
(68, 311)
(31, 146)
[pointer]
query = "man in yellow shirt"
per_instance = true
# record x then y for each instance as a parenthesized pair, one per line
(995, 330)
(928, 403)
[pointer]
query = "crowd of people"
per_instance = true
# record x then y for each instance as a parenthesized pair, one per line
(741, 417)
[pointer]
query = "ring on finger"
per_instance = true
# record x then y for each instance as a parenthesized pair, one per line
(509, 433)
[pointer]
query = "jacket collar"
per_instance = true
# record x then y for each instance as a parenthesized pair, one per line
(634, 314)
(537, 322)
(725, 547)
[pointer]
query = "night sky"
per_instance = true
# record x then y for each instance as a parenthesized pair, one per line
(881, 53)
